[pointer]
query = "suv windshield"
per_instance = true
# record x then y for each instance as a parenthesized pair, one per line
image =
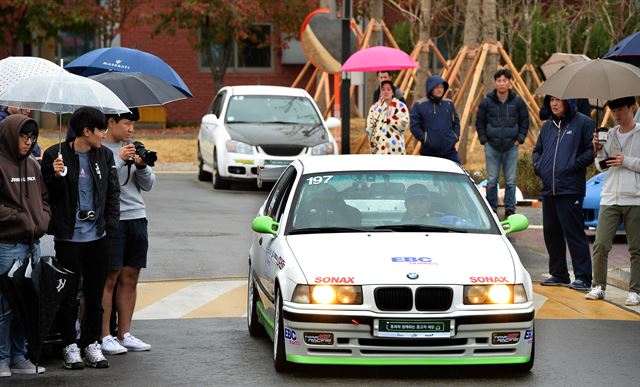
(388, 201)
(271, 109)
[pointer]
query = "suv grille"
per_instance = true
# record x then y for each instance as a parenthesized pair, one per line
(393, 299)
(433, 299)
(282, 150)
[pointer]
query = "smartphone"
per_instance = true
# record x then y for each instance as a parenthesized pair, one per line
(603, 163)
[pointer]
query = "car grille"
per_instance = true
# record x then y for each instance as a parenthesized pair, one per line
(399, 299)
(282, 150)
(433, 299)
(393, 299)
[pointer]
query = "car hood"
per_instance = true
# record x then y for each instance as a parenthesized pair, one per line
(278, 134)
(387, 258)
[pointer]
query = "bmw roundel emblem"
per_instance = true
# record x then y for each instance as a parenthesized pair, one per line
(412, 276)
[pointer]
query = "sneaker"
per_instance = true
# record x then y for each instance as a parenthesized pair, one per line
(580, 285)
(633, 299)
(554, 281)
(72, 359)
(93, 356)
(596, 293)
(5, 371)
(111, 346)
(26, 367)
(133, 343)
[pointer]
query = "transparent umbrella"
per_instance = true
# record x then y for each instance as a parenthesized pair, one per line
(16, 68)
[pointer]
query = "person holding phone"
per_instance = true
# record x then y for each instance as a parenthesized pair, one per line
(620, 198)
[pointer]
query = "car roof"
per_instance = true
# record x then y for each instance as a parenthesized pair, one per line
(265, 90)
(366, 162)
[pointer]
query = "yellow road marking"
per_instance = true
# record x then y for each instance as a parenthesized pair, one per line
(564, 303)
(152, 292)
(231, 304)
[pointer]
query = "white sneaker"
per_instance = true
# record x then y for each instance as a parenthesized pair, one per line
(26, 367)
(5, 371)
(111, 346)
(93, 356)
(596, 293)
(633, 299)
(133, 343)
(72, 359)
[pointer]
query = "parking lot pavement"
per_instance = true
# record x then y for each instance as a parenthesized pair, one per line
(533, 238)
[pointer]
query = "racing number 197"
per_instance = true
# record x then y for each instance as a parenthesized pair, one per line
(319, 180)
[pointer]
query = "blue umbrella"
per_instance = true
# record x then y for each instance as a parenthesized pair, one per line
(626, 50)
(126, 60)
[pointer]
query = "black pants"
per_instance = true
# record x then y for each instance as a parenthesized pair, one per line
(563, 225)
(91, 260)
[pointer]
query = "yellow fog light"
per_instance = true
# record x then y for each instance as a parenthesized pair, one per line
(475, 294)
(323, 294)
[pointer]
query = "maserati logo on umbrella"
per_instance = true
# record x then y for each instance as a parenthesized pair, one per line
(117, 65)
(412, 276)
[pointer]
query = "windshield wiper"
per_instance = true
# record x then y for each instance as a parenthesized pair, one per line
(325, 230)
(417, 227)
(281, 122)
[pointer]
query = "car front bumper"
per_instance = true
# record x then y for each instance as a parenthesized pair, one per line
(350, 340)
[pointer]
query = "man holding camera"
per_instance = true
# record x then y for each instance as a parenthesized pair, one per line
(619, 154)
(84, 196)
(130, 244)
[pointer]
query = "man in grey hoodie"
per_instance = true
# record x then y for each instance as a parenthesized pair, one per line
(620, 198)
(130, 244)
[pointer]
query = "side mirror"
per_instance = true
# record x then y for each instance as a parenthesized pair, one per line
(333, 123)
(210, 119)
(515, 223)
(265, 225)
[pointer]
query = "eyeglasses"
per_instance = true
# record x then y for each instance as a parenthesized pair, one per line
(26, 137)
(103, 131)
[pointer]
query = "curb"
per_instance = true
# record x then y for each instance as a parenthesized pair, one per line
(618, 277)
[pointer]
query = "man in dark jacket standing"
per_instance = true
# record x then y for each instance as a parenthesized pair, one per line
(24, 216)
(502, 123)
(435, 122)
(562, 154)
(85, 199)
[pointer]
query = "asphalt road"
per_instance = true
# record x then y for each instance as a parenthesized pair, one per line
(197, 232)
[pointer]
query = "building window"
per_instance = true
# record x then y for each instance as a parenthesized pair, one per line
(248, 54)
(74, 44)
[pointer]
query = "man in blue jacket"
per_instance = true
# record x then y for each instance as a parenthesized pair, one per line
(435, 122)
(562, 154)
(502, 123)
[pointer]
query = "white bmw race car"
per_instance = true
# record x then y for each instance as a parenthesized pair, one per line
(387, 260)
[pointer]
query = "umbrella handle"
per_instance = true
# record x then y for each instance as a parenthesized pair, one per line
(64, 171)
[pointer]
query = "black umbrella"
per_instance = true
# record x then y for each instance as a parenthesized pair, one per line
(35, 294)
(139, 89)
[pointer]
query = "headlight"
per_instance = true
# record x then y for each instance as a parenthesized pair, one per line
(328, 294)
(322, 149)
(239, 147)
(494, 294)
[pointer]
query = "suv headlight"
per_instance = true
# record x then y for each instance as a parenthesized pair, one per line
(328, 294)
(322, 149)
(239, 147)
(494, 294)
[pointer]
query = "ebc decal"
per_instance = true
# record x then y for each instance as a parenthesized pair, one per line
(528, 335)
(488, 280)
(414, 260)
(335, 280)
(319, 180)
(291, 336)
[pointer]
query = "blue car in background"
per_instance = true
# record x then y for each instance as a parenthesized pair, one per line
(591, 204)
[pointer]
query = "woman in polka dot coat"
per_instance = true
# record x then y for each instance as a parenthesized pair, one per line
(387, 120)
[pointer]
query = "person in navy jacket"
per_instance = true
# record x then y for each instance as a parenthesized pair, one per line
(561, 156)
(435, 122)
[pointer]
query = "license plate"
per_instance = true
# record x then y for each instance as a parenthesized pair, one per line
(413, 328)
(277, 162)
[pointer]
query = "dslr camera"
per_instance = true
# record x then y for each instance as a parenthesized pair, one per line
(149, 157)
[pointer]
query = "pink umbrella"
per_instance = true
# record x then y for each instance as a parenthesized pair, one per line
(379, 58)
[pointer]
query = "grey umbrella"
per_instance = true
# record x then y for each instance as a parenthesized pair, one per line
(597, 78)
(139, 89)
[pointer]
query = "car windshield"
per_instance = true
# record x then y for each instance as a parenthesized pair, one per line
(271, 109)
(388, 201)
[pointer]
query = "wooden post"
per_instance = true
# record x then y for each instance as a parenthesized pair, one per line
(302, 72)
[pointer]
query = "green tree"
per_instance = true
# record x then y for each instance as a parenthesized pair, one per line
(216, 24)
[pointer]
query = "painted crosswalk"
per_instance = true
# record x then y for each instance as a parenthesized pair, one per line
(228, 298)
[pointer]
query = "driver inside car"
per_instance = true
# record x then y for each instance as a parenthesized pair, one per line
(418, 205)
(326, 208)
